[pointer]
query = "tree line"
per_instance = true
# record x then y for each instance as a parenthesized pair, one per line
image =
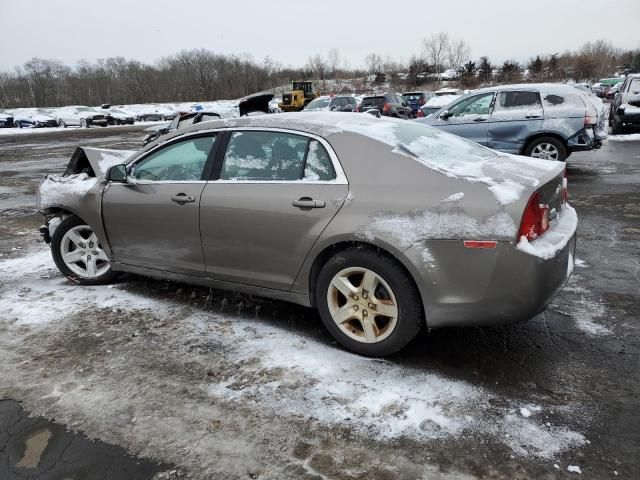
(201, 74)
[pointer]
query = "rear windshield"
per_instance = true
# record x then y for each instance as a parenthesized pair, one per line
(377, 101)
(412, 97)
(319, 103)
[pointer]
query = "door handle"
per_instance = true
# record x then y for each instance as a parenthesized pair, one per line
(480, 119)
(532, 116)
(308, 202)
(182, 198)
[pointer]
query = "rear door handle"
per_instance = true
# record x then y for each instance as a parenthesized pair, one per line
(182, 198)
(532, 116)
(308, 202)
(480, 119)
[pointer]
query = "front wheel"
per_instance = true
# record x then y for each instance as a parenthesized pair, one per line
(547, 148)
(368, 302)
(62, 124)
(78, 254)
(84, 124)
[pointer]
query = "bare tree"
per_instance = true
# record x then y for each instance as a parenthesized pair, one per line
(333, 61)
(437, 48)
(373, 61)
(458, 53)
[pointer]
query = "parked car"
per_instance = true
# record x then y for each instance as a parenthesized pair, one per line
(33, 117)
(435, 231)
(416, 100)
(180, 122)
(388, 104)
(255, 104)
(611, 92)
(448, 91)
(6, 119)
(119, 116)
(80, 115)
(436, 103)
(537, 120)
(625, 107)
(598, 89)
(155, 113)
(338, 103)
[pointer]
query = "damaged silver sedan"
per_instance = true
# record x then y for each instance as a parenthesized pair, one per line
(384, 226)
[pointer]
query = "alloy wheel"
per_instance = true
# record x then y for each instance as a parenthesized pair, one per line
(82, 253)
(362, 304)
(546, 151)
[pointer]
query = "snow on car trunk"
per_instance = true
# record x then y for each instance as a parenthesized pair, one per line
(188, 384)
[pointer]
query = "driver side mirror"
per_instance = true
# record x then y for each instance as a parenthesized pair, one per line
(445, 115)
(118, 174)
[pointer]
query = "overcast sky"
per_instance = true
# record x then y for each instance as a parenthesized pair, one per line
(290, 31)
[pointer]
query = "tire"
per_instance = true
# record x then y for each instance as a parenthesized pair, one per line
(62, 124)
(61, 240)
(162, 118)
(549, 148)
(18, 124)
(394, 289)
(617, 128)
(83, 123)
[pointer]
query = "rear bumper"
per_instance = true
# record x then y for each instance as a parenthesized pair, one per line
(585, 139)
(474, 287)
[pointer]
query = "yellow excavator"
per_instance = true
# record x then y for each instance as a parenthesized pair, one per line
(300, 95)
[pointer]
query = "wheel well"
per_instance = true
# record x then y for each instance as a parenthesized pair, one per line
(331, 250)
(540, 135)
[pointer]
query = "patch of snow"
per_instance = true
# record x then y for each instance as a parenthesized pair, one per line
(409, 229)
(584, 310)
(455, 197)
(581, 263)
(525, 412)
(574, 469)
(554, 239)
(55, 188)
(633, 137)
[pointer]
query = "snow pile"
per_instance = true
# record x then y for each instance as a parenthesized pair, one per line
(574, 469)
(455, 197)
(554, 239)
(55, 188)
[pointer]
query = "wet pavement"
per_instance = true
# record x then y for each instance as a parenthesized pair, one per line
(574, 369)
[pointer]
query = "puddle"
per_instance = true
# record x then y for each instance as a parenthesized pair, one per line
(35, 446)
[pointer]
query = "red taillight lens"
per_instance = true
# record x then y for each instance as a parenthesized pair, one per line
(421, 101)
(358, 108)
(419, 113)
(386, 107)
(535, 220)
(589, 120)
(565, 188)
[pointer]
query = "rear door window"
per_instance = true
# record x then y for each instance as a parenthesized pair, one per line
(318, 165)
(517, 105)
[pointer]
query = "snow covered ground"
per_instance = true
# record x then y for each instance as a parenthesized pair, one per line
(169, 378)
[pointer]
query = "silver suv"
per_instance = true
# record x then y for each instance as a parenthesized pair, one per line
(537, 120)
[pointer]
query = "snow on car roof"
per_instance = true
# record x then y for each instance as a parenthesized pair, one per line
(441, 101)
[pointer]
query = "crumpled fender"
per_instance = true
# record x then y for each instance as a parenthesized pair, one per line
(79, 189)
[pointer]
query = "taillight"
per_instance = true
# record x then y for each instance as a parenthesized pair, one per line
(589, 120)
(419, 113)
(535, 220)
(358, 108)
(565, 188)
(386, 107)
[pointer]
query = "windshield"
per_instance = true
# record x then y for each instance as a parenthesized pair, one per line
(318, 103)
(412, 97)
(367, 101)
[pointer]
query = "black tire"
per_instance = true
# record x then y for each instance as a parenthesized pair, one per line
(56, 242)
(558, 144)
(62, 124)
(18, 124)
(410, 317)
(84, 123)
(617, 128)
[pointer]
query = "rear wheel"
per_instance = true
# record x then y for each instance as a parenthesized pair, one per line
(18, 124)
(368, 302)
(62, 124)
(548, 148)
(617, 127)
(78, 254)
(83, 123)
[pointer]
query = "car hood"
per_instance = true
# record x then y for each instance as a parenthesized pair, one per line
(96, 162)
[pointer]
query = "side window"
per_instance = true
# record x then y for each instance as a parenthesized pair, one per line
(254, 155)
(476, 105)
(518, 99)
(634, 86)
(318, 166)
(182, 161)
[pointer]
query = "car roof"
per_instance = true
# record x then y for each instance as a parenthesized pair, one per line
(546, 87)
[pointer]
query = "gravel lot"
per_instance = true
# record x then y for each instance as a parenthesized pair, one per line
(220, 385)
